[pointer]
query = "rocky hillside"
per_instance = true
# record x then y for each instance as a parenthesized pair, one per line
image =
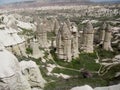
(39, 3)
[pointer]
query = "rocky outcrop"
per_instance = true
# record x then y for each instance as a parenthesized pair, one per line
(12, 41)
(113, 87)
(11, 77)
(32, 73)
(67, 42)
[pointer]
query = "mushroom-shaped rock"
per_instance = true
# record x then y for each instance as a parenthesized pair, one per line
(11, 77)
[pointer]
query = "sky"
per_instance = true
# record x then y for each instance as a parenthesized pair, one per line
(10, 1)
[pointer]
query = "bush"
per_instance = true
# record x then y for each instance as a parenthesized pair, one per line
(29, 50)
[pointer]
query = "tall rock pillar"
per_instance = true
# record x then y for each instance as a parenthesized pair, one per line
(88, 38)
(102, 33)
(75, 46)
(107, 39)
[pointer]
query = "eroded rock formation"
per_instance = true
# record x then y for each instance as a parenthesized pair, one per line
(88, 37)
(11, 77)
(107, 39)
(67, 42)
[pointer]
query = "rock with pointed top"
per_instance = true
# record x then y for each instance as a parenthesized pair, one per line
(102, 33)
(107, 39)
(88, 38)
(56, 26)
(67, 42)
(64, 43)
(42, 34)
(75, 46)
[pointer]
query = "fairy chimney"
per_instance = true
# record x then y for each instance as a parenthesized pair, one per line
(56, 26)
(88, 38)
(41, 34)
(102, 33)
(64, 43)
(74, 31)
(107, 39)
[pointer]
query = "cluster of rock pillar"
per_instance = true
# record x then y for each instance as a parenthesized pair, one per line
(67, 42)
(105, 37)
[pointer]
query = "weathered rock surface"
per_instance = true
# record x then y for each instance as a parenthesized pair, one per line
(11, 77)
(107, 39)
(88, 35)
(31, 71)
(85, 87)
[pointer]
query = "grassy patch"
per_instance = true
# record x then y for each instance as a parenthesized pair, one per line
(85, 60)
(105, 54)
(62, 84)
(29, 50)
(66, 71)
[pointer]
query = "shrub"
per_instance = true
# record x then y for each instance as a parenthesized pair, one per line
(29, 50)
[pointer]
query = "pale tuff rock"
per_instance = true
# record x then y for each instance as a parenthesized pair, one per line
(11, 22)
(59, 44)
(88, 35)
(12, 41)
(10, 73)
(36, 53)
(117, 58)
(102, 33)
(85, 87)
(67, 42)
(42, 34)
(107, 39)
(66, 36)
(31, 71)
(74, 31)
(64, 43)
(56, 26)
(26, 26)
(113, 87)
(61, 75)
(68, 23)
